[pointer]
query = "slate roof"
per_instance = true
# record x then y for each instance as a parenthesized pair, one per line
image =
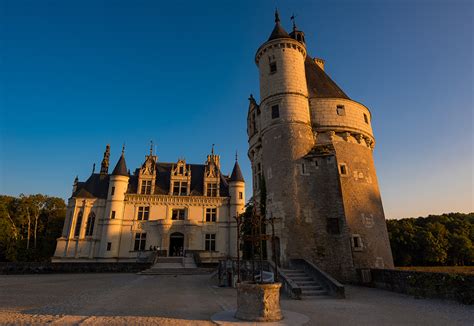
(236, 173)
(121, 167)
(96, 186)
(319, 83)
(278, 32)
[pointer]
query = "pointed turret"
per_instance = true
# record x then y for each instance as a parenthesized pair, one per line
(278, 30)
(236, 172)
(121, 167)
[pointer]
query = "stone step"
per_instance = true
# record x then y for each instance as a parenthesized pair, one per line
(169, 260)
(313, 293)
(177, 271)
(302, 279)
(295, 274)
(311, 288)
(307, 283)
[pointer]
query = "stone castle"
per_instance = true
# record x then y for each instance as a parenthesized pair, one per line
(172, 209)
(312, 146)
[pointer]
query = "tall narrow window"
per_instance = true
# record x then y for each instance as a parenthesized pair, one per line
(109, 246)
(273, 67)
(241, 195)
(212, 189)
(112, 215)
(140, 242)
(211, 214)
(366, 119)
(178, 214)
(143, 213)
(357, 242)
(77, 229)
(180, 188)
(343, 169)
(146, 187)
(90, 224)
(112, 191)
(210, 242)
(275, 111)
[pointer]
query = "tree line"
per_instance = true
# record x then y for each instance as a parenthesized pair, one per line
(29, 226)
(436, 240)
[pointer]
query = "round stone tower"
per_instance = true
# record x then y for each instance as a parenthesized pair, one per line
(285, 134)
(118, 184)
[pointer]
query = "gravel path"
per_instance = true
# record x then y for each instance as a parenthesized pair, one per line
(129, 299)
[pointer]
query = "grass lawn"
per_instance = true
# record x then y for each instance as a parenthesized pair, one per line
(440, 269)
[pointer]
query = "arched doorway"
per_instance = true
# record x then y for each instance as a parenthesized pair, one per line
(176, 244)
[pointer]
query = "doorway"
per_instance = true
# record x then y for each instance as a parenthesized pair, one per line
(176, 245)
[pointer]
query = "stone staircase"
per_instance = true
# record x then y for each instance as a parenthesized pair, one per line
(310, 288)
(175, 266)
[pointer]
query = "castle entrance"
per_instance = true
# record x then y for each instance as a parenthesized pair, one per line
(176, 244)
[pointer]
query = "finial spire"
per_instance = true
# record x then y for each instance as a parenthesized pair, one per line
(93, 168)
(123, 149)
(236, 156)
(292, 18)
(104, 166)
(212, 149)
(151, 147)
(277, 16)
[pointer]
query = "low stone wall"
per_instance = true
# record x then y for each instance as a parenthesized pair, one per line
(49, 268)
(422, 284)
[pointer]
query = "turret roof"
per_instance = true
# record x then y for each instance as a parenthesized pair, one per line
(121, 167)
(236, 173)
(278, 30)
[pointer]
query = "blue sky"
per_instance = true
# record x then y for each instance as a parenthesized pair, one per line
(76, 75)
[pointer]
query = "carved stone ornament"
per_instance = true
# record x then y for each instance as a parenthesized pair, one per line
(258, 302)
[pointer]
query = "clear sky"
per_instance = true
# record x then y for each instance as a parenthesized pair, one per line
(76, 75)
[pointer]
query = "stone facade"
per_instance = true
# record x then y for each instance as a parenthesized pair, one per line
(313, 146)
(170, 208)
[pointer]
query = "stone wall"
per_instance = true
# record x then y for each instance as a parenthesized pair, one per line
(422, 284)
(50, 268)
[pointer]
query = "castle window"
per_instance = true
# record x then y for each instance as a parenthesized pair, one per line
(181, 170)
(343, 169)
(332, 225)
(273, 67)
(357, 242)
(143, 213)
(140, 242)
(366, 119)
(340, 110)
(77, 229)
(210, 242)
(112, 191)
(211, 214)
(112, 215)
(275, 112)
(90, 224)
(212, 189)
(241, 195)
(146, 187)
(304, 169)
(109, 246)
(180, 188)
(178, 214)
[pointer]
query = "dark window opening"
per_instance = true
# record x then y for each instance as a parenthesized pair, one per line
(112, 192)
(273, 67)
(90, 224)
(241, 195)
(112, 215)
(178, 214)
(109, 246)
(275, 112)
(212, 189)
(211, 214)
(143, 213)
(77, 229)
(140, 242)
(341, 110)
(366, 119)
(343, 169)
(210, 242)
(146, 187)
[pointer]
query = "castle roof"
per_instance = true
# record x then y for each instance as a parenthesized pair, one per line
(236, 173)
(278, 30)
(121, 167)
(95, 187)
(319, 83)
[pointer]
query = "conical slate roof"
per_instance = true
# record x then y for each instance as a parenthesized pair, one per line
(121, 167)
(236, 173)
(278, 30)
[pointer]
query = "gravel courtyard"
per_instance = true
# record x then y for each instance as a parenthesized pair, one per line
(129, 299)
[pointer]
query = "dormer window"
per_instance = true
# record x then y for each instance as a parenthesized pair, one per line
(212, 189)
(273, 67)
(146, 187)
(180, 188)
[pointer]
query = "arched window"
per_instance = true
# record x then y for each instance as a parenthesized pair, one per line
(77, 229)
(90, 224)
